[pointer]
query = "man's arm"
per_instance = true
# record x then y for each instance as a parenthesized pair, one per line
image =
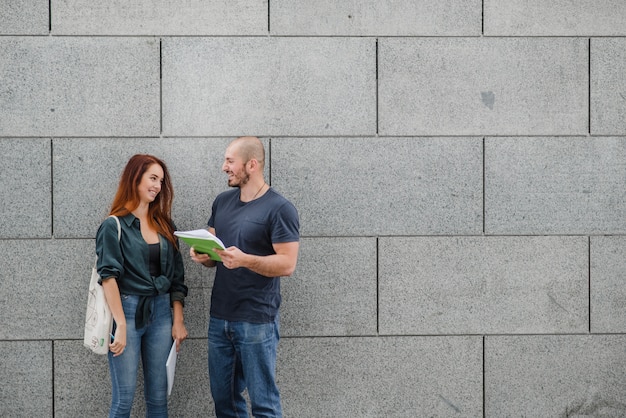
(283, 263)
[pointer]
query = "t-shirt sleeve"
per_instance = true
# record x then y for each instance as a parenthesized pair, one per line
(211, 222)
(286, 224)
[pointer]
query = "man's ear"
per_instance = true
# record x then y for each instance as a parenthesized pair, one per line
(254, 164)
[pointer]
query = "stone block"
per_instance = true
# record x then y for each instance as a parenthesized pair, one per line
(483, 285)
(87, 173)
(269, 86)
(333, 291)
(196, 275)
(83, 385)
(562, 186)
(197, 304)
(381, 376)
(375, 18)
(82, 381)
(160, 17)
(56, 86)
(48, 300)
(555, 376)
(26, 386)
(43, 294)
(483, 86)
(608, 275)
(381, 186)
(554, 18)
(24, 17)
(25, 208)
(608, 85)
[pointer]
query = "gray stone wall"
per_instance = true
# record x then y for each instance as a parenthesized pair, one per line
(459, 168)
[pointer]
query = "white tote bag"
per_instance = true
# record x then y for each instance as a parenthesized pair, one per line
(98, 320)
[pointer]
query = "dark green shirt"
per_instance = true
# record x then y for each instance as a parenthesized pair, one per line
(128, 262)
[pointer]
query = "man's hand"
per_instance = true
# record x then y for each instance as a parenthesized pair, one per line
(200, 258)
(232, 257)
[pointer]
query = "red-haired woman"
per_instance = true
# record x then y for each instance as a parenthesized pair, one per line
(143, 280)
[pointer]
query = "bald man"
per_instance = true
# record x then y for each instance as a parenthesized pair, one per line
(260, 229)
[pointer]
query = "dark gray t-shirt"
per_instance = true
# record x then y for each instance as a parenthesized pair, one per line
(241, 294)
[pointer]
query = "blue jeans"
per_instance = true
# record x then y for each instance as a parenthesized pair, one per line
(243, 355)
(153, 343)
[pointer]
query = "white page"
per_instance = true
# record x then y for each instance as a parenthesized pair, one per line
(196, 233)
(170, 366)
(199, 233)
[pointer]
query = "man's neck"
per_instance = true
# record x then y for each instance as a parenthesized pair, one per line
(252, 190)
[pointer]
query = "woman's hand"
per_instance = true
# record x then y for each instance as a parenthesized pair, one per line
(119, 341)
(179, 333)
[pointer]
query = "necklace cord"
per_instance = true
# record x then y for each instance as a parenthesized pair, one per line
(258, 191)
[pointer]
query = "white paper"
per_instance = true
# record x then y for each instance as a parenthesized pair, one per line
(170, 367)
(199, 233)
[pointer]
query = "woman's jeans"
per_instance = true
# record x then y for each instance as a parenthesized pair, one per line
(153, 343)
(243, 355)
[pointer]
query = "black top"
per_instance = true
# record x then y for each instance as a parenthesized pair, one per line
(154, 259)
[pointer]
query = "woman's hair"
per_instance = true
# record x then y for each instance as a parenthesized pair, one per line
(127, 197)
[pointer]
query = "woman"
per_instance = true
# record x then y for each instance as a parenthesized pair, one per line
(143, 281)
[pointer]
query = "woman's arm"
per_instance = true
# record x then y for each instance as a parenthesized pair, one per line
(179, 331)
(178, 292)
(113, 299)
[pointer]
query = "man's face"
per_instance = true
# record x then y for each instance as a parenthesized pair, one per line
(236, 168)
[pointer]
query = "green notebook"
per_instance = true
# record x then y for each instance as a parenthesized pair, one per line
(202, 241)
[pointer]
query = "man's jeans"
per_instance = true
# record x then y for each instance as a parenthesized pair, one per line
(153, 342)
(241, 355)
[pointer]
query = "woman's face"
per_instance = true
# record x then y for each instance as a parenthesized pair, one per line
(150, 184)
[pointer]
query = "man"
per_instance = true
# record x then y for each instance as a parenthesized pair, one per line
(260, 229)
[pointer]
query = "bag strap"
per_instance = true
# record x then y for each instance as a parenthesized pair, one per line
(119, 227)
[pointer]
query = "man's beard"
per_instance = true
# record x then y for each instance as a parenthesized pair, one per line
(242, 180)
